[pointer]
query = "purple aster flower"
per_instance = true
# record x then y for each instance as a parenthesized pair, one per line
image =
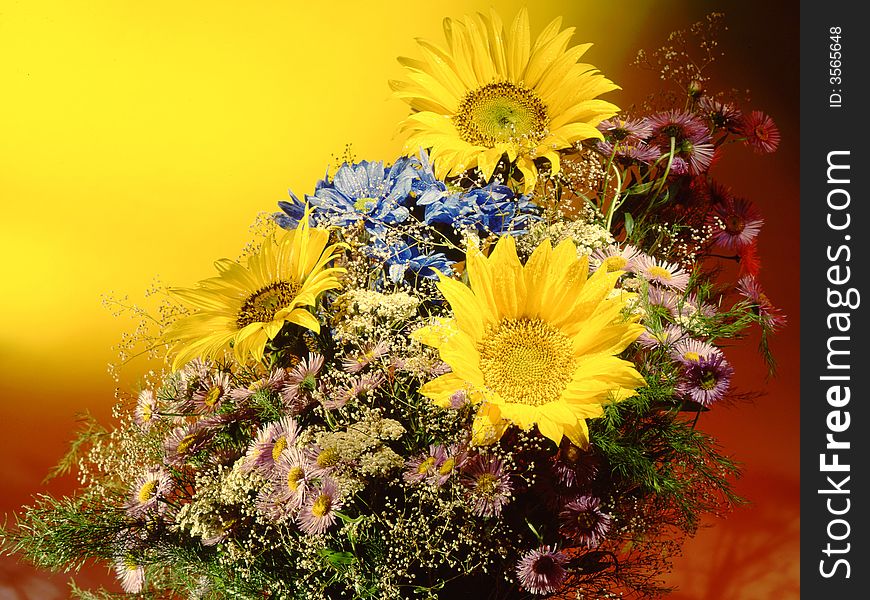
(583, 521)
(662, 298)
(290, 481)
(147, 490)
(737, 223)
(664, 337)
(145, 414)
(720, 115)
(760, 131)
(680, 125)
(661, 272)
(488, 485)
(212, 391)
(706, 380)
(542, 571)
(367, 355)
(421, 467)
(271, 441)
(130, 574)
(185, 441)
(615, 258)
(619, 129)
(679, 166)
(749, 288)
(271, 382)
(689, 350)
(448, 460)
(322, 460)
(318, 513)
(573, 465)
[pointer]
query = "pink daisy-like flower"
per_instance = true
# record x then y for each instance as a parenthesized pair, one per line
(359, 387)
(736, 223)
(130, 574)
(150, 487)
(322, 460)
(761, 132)
(664, 337)
(662, 298)
(690, 350)
(720, 115)
(318, 513)
(583, 521)
(459, 399)
(680, 125)
(145, 414)
(574, 466)
(448, 461)
(542, 571)
(304, 375)
(185, 441)
(615, 258)
(367, 355)
(290, 481)
(661, 272)
(619, 129)
(271, 382)
(271, 441)
(699, 155)
(488, 485)
(211, 393)
(421, 467)
(706, 380)
(749, 287)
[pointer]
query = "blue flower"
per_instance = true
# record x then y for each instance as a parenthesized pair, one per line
(400, 258)
(492, 209)
(293, 213)
(364, 191)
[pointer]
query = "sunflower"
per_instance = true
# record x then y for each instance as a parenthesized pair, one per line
(492, 93)
(245, 306)
(534, 344)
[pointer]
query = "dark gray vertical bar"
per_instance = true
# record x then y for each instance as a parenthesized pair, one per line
(835, 262)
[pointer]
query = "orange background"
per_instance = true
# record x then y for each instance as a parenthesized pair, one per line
(139, 140)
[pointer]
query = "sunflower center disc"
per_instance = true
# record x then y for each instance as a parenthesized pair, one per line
(261, 306)
(501, 112)
(526, 361)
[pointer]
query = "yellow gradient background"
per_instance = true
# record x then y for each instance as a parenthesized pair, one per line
(141, 139)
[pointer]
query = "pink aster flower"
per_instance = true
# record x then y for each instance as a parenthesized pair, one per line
(720, 115)
(145, 414)
(664, 337)
(583, 521)
(706, 380)
(661, 272)
(488, 485)
(212, 391)
(615, 258)
(761, 132)
(749, 287)
(736, 223)
(542, 571)
(147, 491)
(130, 574)
(368, 354)
(318, 513)
(689, 350)
(271, 441)
(290, 481)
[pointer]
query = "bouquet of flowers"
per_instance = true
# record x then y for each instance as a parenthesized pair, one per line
(474, 372)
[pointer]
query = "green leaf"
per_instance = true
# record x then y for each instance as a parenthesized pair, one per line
(629, 224)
